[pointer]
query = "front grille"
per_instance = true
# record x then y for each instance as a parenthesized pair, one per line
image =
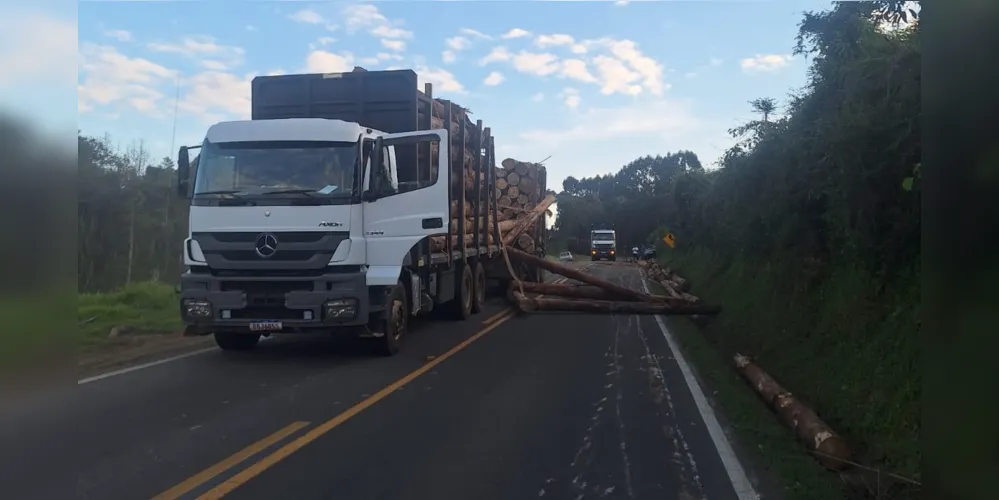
(296, 251)
(284, 255)
(266, 287)
(291, 237)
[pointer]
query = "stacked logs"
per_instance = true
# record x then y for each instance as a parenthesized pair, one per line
(518, 193)
(594, 295)
(518, 208)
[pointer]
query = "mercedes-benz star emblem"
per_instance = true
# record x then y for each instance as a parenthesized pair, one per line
(266, 245)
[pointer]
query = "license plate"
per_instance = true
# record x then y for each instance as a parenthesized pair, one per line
(265, 326)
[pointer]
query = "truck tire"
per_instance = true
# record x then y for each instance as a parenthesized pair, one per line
(392, 322)
(461, 305)
(479, 283)
(232, 341)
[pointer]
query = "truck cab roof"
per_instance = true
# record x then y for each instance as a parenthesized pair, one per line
(287, 129)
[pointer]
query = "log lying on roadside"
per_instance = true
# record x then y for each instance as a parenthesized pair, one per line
(831, 450)
(531, 304)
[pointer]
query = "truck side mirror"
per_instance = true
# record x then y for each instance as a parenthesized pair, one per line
(183, 172)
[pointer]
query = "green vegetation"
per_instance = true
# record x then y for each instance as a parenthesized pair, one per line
(144, 307)
(808, 235)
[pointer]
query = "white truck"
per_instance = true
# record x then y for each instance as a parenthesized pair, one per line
(316, 214)
(603, 244)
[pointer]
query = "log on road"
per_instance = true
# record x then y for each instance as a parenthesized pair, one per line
(531, 304)
(580, 276)
(832, 451)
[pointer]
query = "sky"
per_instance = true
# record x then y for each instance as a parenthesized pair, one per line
(592, 85)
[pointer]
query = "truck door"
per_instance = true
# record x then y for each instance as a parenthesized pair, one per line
(395, 219)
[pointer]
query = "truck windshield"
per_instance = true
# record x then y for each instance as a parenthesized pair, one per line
(272, 168)
(601, 235)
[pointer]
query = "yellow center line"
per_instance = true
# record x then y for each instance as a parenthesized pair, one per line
(495, 317)
(269, 461)
(205, 475)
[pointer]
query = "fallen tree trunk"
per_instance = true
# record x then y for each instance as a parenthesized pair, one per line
(531, 304)
(589, 279)
(569, 290)
(832, 451)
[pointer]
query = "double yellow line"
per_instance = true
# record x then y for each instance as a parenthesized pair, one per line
(255, 469)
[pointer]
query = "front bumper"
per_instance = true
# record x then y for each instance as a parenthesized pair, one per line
(603, 254)
(210, 303)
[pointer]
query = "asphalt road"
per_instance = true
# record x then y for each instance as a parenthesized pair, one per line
(508, 407)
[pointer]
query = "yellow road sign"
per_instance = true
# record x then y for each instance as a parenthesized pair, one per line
(669, 240)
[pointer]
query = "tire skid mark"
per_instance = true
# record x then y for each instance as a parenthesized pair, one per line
(660, 392)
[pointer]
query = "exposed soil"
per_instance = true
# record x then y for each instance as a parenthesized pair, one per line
(127, 350)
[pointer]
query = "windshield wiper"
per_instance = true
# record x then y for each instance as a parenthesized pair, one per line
(311, 193)
(232, 194)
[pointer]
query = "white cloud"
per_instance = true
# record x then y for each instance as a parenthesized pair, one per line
(52, 43)
(621, 3)
(441, 79)
(515, 33)
(765, 63)
(110, 78)
(308, 16)
(215, 96)
(498, 54)
(690, 75)
(715, 62)
(120, 35)
(320, 61)
(367, 17)
(382, 56)
(200, 47)
(475, 34)
(538, 97)
(536, 64)
(651, 71)
(662, 119)
(576, 70)
(571, 98)
(494, 78)
(458, 43)
(615, 77)
(545, 41)
(250, 27)
(325, 40)
(397, 45)
(578, 48)
(386, 31)
(213, 65)
(448, 56)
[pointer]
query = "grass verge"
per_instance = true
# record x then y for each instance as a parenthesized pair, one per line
(846, 345)
(144, 307)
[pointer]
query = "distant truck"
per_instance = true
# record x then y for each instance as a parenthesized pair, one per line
(331, 210)
(603, 244)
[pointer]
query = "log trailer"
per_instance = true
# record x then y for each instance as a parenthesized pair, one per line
(349, 202)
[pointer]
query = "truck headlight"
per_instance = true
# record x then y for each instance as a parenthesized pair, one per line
(612, 252)
(340, 309)
(197, 308)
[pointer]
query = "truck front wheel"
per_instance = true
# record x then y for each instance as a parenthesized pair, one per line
(392, 322)
(231, 341)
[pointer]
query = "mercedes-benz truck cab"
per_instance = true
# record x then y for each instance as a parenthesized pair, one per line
(299, 224)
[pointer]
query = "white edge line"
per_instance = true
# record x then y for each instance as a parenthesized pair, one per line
(736, 474)
(129, 369)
